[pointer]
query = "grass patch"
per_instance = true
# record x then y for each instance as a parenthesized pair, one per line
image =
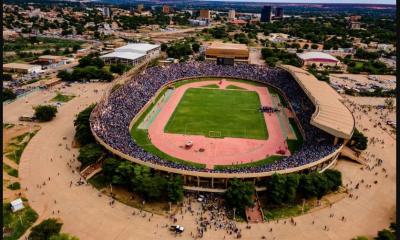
(17, 145)
(142, 139)
(225, 113)
(210, 86)
(8, 125)
(10, 171)
(272, 90)
(62, 97)
(98, 181)
(295, 145)
(285, 211)
(234, 87)
(15, 224)
(265, 161)
(14, 186)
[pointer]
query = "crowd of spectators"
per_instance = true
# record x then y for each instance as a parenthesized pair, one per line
(111, 118)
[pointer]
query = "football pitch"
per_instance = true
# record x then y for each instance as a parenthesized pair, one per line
(218, 113)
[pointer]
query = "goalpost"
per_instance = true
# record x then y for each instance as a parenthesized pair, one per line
(214, 134)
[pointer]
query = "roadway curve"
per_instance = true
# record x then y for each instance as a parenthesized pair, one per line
(89, 216)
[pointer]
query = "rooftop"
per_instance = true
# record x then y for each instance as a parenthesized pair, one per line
(317, 55)
(235, 46)
(330, 115)
(20, 65)
(137, 47)
(123, 55)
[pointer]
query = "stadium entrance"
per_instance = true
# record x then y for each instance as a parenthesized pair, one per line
(225, 61)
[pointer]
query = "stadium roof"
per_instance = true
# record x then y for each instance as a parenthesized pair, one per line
(124, 55)
(137, 47)
(331, 115)
(317, 56)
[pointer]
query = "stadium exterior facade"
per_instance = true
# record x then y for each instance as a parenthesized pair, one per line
(330, 115)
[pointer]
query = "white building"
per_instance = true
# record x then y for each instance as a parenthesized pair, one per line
(17, 205)
(132, 54)
(22, 68)
(231, 14)
(318, 58)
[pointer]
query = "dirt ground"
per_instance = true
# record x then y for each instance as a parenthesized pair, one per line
(89, 216)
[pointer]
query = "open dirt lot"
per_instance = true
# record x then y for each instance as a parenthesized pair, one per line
(89, 216)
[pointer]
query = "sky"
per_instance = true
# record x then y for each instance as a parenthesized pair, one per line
(320, 1)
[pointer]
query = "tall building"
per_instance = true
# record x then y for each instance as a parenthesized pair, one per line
(279, 12)
(205, 14)
(231, 14)
(107, 12)
(165, 9)
(266, 14)
(140, 7)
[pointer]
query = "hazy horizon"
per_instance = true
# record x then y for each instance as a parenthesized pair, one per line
(392, 2)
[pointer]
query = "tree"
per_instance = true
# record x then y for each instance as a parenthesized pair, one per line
(45, 230)
(175, 189)
(360, 238)
(8, 94)
(389, 103)
(89, 153)
(276, 188)
(63, 236)
(164, 47)
(306, 186)
(83, 134)
(314, 46)
(65, 76)
(45, 113)
(321, 184)
(292, 183)
(118, 68)
(334, 178)
(239, 195)
(306, 46)
(7, 77)
(124, 173)
(385, 234)
(196, 47)
(109, 167)
(358, 140)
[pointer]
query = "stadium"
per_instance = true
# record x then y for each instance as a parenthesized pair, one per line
(210, 123)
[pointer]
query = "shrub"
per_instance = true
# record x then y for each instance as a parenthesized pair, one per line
(45, 113)
(45, 230)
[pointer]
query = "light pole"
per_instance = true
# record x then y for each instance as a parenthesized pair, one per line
(234, 214)
(170, 208)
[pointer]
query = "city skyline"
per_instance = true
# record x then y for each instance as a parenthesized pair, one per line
(391, 2)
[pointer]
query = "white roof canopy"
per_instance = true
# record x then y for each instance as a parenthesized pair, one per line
(330, 115)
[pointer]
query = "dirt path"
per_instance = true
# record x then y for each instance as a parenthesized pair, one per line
(89, 216)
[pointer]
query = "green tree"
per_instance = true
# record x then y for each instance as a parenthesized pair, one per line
(7, 77)
(334, 178)
(118, 68)
(196, 47)
(164, 47)
(358, 140)
(276, 188)
(109, 167)
(45, 230)
(306, 186)
(45, 113)
(124, 173)
(292, 184)
(314, 46)
(321, 184)
(385, 234)
(63, 236)
(83, 134)
(360, 238)
(175, 189)
(89, 153)
(8, 94)
(65, 76)
(239, 195)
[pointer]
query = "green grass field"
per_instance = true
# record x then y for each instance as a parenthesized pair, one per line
(218, 113)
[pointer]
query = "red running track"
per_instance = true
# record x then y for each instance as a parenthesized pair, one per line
(218, 151)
